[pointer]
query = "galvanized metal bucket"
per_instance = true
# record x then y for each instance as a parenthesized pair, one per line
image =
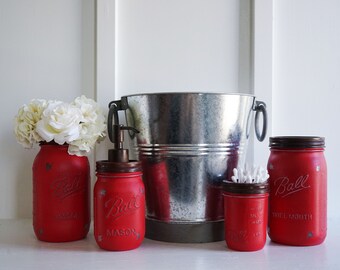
(188, 144)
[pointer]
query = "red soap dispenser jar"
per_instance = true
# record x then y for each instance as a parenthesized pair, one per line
(119, 198)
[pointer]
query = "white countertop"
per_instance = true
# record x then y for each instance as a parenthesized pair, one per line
(19, 249)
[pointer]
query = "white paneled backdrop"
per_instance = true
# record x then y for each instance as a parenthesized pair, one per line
(285, 52)
(191, 45)
(41, 56)
(306, 85)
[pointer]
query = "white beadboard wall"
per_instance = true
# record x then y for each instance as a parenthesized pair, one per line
(306, 89)
(191, 45)
(41, 52)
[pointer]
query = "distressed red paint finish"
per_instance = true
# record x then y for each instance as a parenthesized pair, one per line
(119, 210)
(245, 215)
(298, 191)
(61, 202)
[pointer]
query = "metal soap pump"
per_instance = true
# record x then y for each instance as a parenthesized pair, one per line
(116, 135)
(119, 196)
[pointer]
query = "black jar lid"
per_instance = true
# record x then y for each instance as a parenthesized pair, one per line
(297, 142)
(246, 188)
(105, 166)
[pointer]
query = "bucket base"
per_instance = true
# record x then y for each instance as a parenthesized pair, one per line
(194, 232)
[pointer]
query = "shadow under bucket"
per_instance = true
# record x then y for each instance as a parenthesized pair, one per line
(188, 144)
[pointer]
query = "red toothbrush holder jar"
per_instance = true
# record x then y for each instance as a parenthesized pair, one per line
(245, 215)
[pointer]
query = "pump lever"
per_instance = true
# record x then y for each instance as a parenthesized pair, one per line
(117, 135)
(134, 130)
(113, 121)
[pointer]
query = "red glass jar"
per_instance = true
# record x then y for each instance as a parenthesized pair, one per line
(245, 215)
(61, 202)
(298, 190)
(119, 206)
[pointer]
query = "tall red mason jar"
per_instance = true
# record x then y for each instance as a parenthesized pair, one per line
(119, 206)
(298, 190)
(61, 190)
(245, 215)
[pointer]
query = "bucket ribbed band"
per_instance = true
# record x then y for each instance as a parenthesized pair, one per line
(190, 149)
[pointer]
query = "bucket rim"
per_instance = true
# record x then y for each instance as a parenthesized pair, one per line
(191, 93)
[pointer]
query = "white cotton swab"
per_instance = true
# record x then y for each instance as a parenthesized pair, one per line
(254, 174)
(235, 177)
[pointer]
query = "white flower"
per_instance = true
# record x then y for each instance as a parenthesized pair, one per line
(80, 124)
(89, 109)
(92, 127)
(26, 120)
(60, 122)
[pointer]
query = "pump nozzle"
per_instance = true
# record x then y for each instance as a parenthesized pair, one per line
(118, 153)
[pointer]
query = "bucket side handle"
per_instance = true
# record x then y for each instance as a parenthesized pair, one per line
(113, 118)
(260, 108)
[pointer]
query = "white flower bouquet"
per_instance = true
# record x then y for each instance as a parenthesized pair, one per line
(79, 124)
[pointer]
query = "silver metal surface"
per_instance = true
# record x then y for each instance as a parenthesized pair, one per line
(188, 144)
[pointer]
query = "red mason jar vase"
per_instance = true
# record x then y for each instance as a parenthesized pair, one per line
(61, 202)
(298, 190)
(119, 206)
(245, 215)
